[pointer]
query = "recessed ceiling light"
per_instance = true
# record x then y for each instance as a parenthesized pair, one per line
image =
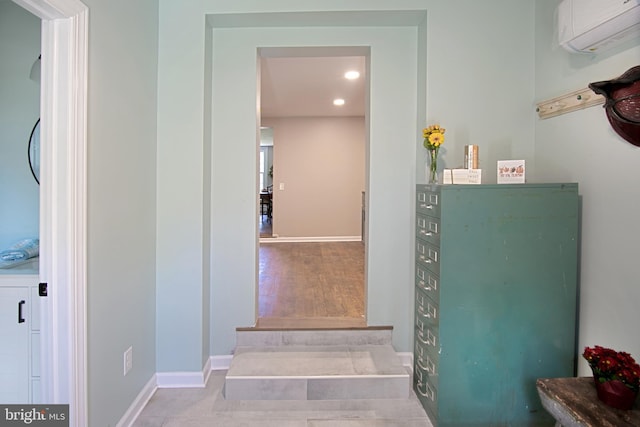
(351, 75)
(338, 101)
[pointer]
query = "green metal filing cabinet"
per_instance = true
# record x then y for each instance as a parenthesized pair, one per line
(495, 300)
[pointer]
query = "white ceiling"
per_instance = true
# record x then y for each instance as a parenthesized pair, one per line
(306, 86)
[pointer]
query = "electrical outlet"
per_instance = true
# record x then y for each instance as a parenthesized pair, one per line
(128, 360)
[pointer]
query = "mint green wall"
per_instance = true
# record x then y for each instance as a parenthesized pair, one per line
(480, 81)
(19, 110)
(581, 147)
(486, 63)
(121, 168)
(479, 84)
(393, 109)
(181, 262)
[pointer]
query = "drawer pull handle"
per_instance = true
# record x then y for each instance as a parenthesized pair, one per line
(426, 233)
(423, 285)
(422, 340)
(429, 314)
(425, 259)
(431, 368)
(428, 391)
(424, 368)
(430, 340)
(418, 372)
(20, 305)
(424, 206)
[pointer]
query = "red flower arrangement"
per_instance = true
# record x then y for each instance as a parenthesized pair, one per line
(608, 365)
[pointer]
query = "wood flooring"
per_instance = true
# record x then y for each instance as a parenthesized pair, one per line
(311, 285)
(265, 226)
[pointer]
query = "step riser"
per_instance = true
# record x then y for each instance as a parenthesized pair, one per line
(316, 365)
(317, 388)
(257, 338)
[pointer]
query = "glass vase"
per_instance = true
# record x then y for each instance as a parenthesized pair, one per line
(433, 166)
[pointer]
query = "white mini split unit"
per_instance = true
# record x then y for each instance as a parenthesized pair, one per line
(591, 26)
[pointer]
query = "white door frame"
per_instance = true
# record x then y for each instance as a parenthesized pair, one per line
(63, 112)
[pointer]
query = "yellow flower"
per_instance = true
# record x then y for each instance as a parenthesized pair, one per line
(436, 139)
(433, 136)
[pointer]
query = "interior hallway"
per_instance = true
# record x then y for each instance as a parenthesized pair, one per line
(309, 285)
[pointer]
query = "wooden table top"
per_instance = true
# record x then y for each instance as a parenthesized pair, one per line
(578, 398)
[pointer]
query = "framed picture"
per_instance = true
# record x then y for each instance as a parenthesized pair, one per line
(511, 172)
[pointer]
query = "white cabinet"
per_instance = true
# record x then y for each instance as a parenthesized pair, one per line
(19, 339)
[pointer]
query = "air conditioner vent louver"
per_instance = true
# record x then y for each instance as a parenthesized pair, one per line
(593, 26)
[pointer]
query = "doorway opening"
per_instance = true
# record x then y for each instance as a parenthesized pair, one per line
(19, 192)
(311, 270)
(63, 110)
(265, 178)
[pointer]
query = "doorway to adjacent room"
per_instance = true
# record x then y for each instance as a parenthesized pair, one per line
(312, 253)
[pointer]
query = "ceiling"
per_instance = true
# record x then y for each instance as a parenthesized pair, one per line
(306, 86)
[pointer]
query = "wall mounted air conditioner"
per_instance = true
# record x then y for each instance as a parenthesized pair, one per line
(591, 26)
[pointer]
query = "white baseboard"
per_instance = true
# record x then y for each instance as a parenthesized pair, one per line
(184, 379)
(220, 363)
(407, 359)
(139, 403)
(180, 379)
(310, 239)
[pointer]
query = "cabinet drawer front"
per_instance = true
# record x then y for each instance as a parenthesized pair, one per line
(428, 282)
(428, 201)
(426, 308)
(427, 353)
(427, 361)
(428, 256)
(428, 228)
(426, 391)
(427, 335)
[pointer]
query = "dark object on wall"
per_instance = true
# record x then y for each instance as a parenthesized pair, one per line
(622, 104)
(36, 69)
(33, 151)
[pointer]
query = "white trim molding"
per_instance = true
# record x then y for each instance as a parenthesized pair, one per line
(220, 363)
(63, 112)
(138, 404)
(53, 9)
(185, 379)
(407, 359)
(181, 379)
(310, 239)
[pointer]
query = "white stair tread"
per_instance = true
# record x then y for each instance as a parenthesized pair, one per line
(311, 362)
